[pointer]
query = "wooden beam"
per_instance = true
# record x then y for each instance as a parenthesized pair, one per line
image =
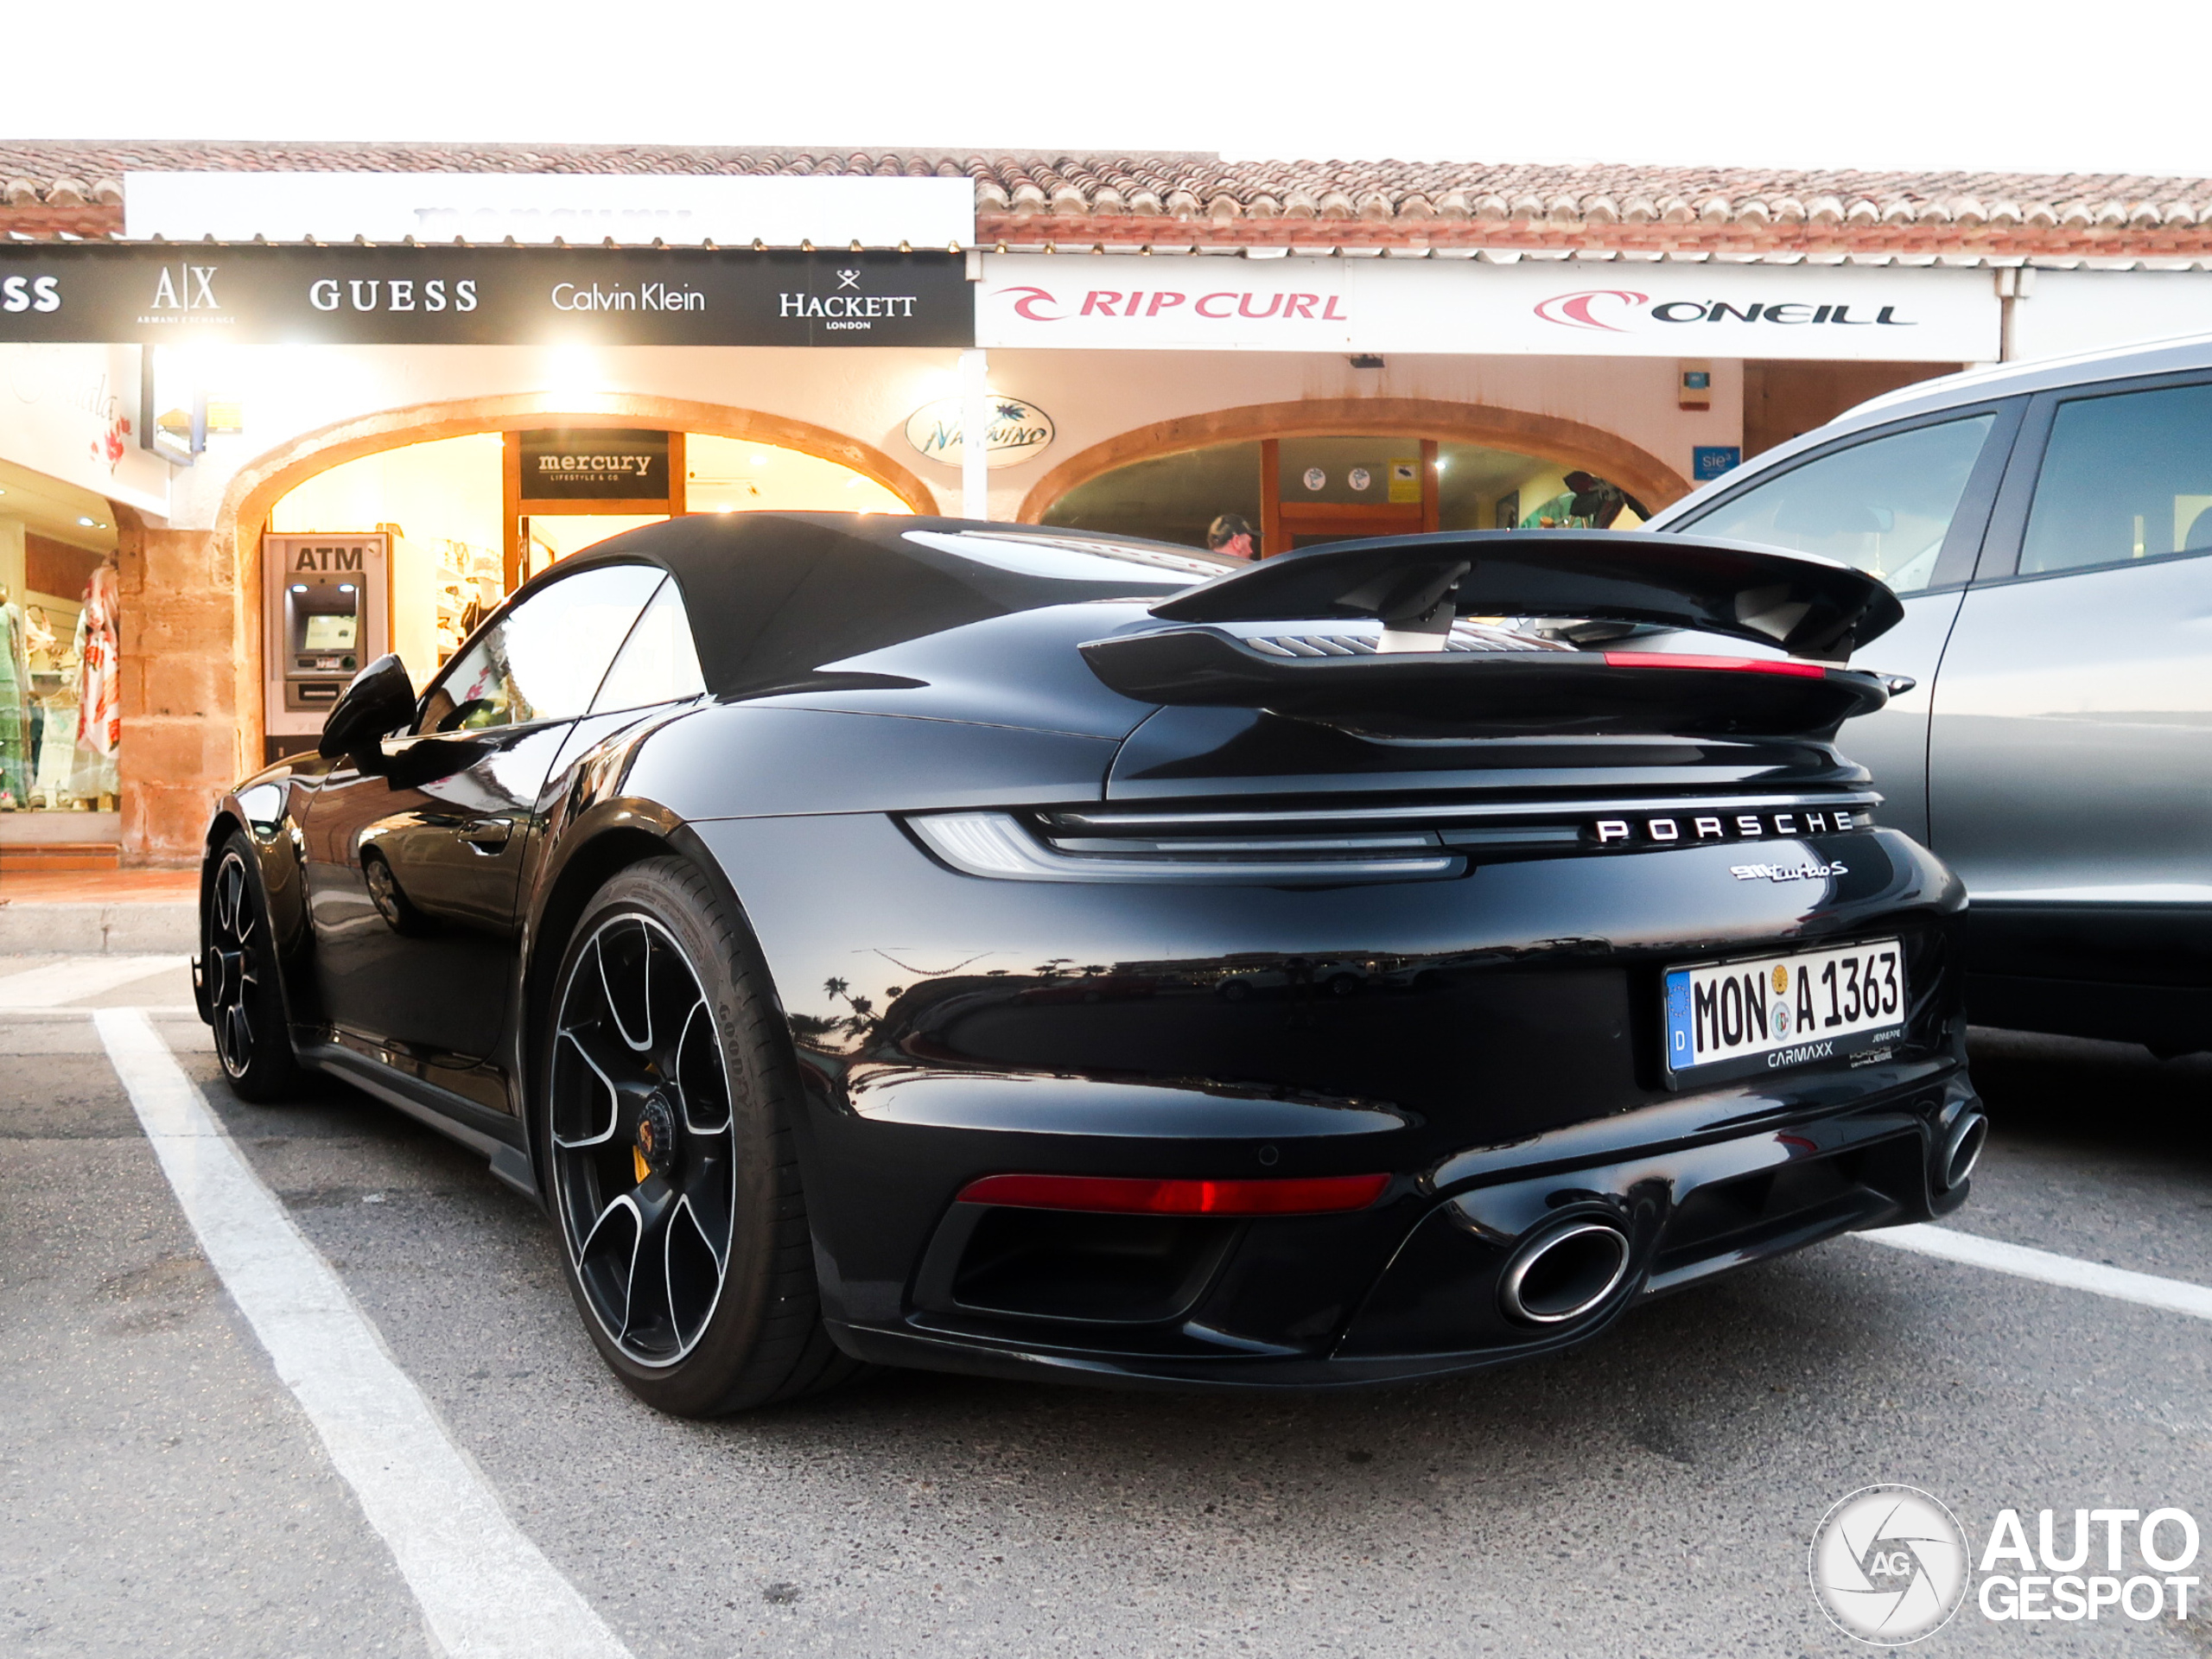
(510, 507)
(1272, 540)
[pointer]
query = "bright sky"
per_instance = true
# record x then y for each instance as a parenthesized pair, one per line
(2034, 85)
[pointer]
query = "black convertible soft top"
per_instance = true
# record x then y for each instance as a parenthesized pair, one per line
(775, 598)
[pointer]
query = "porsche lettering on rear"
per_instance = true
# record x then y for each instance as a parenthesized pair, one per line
(1725, 826)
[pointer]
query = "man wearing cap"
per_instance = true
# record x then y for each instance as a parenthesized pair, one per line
(1232, 534)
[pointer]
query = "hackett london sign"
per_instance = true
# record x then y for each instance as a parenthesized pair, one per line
(354, 295)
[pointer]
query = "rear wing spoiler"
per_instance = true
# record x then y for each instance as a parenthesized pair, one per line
(1419, 676)
(1807, 606)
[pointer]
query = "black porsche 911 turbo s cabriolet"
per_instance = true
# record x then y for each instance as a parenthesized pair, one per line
(1037, 953)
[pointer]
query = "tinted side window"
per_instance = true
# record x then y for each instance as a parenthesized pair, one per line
(545, 657)
(2128, 476)
(658, 662)
(1882, 506)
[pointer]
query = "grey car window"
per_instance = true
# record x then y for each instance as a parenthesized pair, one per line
(2125, 477)
(659, 661)
(543, 659)
(1882, 506)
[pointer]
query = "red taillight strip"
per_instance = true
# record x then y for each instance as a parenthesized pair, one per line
(1121, 1195)
(1733, 665)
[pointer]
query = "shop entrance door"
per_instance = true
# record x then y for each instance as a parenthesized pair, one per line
(619, 477)
(1316, 490)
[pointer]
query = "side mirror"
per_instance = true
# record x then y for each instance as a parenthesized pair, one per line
(380, 700)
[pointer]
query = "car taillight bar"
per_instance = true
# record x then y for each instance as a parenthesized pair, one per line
(1119, 1195)
(1733, 665)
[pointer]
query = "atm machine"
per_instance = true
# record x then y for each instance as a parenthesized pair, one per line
(327, 601)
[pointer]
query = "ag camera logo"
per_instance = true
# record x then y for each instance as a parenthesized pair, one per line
(1889, 1564)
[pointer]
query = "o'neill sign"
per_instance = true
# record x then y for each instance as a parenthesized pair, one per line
(1614, 311)
(1553, 308)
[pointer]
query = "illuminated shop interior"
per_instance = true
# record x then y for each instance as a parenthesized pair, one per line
(442, 503)
(1329, 488)
(57, 542)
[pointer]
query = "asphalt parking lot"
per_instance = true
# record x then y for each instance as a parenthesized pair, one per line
(1653, 1494)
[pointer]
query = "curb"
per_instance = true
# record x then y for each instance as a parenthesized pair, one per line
(162, 928)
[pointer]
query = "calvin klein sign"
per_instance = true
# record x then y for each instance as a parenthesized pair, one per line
(354, 295)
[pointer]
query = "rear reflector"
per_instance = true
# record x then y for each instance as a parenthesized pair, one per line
(1735, 665)
(1121, 1195)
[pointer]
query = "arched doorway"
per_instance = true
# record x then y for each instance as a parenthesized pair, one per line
(442, 508)
(1323, 469)
(446, 464)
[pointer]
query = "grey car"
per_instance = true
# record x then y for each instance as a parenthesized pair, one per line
(2049, 529)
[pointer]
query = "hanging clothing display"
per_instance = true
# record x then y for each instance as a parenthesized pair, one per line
(100, 693)
(57, 749)
(15, 706)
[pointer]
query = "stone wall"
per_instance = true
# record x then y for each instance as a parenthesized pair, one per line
(183, 726)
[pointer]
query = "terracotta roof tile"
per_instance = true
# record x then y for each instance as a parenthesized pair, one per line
(1080, 200)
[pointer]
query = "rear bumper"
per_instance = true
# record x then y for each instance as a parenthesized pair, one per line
(1492, 1044)
(1412, 1288)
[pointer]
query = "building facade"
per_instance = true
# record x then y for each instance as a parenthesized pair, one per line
(427, 372)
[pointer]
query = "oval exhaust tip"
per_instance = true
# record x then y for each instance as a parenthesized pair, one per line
(1963, 1150)
(1566, 1273)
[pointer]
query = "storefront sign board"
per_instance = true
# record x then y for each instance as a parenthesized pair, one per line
(352, 295)
(72, 412)
(595, 465)
(2066, 311)
(1555, 308)
(1019, 431)
(538, 207)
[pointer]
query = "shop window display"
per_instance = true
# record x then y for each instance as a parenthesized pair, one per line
(1173, 498)
(60, 615)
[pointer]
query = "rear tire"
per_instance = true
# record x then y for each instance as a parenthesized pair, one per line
(666, 1095)
(238, 958)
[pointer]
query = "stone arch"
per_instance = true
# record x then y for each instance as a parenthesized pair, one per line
(256, 487)
(1547, 437)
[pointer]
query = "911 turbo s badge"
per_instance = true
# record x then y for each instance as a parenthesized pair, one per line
(1786, 871)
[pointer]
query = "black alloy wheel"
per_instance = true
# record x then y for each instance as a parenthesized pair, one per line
(238, 967)
(667, 1090)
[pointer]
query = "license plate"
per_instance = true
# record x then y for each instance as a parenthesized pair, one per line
(1765, 1013)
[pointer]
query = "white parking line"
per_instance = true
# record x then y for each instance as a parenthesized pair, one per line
(486, 1590)
(56, 982)
(2174, 1295)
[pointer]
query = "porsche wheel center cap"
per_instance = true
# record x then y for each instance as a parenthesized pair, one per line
(656, 1134)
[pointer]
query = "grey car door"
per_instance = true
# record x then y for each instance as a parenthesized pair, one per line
(2071, 747)
(1907, 502)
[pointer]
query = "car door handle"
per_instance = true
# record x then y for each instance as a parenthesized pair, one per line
(487, 835)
